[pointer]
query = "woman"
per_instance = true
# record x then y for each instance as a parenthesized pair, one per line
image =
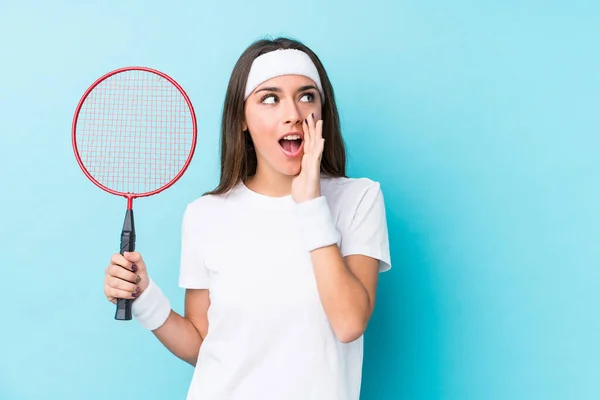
(280, 262)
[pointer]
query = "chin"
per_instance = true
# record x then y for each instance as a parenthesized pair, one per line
(291, 169)
(291, 172)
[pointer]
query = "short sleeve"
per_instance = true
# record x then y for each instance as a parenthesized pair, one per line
(193, 273)
(367, 232)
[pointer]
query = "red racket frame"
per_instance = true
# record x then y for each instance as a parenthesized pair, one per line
(131, 196)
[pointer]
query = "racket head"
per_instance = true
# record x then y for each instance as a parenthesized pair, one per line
(134, 132)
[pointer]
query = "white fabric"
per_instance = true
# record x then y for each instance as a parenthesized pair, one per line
(315, 224)
(268, 335)
(281, 62)
(152, 308)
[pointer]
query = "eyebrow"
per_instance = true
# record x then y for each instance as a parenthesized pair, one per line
(276, 89)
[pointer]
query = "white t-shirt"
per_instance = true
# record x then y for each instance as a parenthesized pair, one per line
(268, 335)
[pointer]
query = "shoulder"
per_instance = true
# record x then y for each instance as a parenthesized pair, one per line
(347, 196)
(204, 202)
(205, 208)
(343, 189)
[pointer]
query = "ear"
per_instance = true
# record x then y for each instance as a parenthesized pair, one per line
(244, 126)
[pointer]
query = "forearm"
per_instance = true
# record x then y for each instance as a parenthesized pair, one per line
(345, 300)
(179, 335)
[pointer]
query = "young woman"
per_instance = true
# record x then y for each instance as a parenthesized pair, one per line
(280, 262)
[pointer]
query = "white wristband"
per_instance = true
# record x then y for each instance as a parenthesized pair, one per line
(152, 308)
(317, 227)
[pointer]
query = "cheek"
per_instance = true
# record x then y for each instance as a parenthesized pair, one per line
(264, 130)
(264, 124)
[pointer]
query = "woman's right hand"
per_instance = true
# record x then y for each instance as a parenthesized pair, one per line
(126, 277)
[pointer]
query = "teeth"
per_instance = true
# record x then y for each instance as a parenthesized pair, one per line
(292, 137)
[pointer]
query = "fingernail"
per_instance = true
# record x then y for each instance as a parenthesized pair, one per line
(135, 294)
(133, 268)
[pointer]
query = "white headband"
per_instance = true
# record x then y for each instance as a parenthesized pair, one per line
(281, 62)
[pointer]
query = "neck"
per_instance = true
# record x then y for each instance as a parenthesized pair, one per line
(270, 183)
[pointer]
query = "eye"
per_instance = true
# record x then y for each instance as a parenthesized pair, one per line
(310, 96)
(272, 97)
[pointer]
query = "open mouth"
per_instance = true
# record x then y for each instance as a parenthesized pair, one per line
(291, 146)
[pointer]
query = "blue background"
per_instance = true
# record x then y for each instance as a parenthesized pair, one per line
(481, 121)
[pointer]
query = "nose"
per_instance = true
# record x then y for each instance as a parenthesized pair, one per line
(292, 113)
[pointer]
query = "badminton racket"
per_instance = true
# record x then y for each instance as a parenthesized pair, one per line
(134, 135)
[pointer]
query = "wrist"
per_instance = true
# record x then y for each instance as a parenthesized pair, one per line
(152, 308)
(317, 227)
(307, 197)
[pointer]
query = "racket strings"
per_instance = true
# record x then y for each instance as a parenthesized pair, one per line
(134, 132)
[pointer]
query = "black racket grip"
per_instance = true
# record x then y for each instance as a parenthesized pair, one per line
(123, 312)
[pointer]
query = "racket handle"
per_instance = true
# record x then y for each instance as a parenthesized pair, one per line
(123, 312)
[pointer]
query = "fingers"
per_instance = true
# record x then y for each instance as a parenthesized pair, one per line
(115, 293)
(120, 260)
(130, 260)
(123, 276)
(120, 283)
(119, 272)
(307, 135)
(313, 135)
(319, 140)
(319, 130)
(135, 259)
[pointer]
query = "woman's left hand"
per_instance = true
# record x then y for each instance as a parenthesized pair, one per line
(306, 186)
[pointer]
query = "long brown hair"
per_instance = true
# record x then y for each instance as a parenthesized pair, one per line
(238, 157)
